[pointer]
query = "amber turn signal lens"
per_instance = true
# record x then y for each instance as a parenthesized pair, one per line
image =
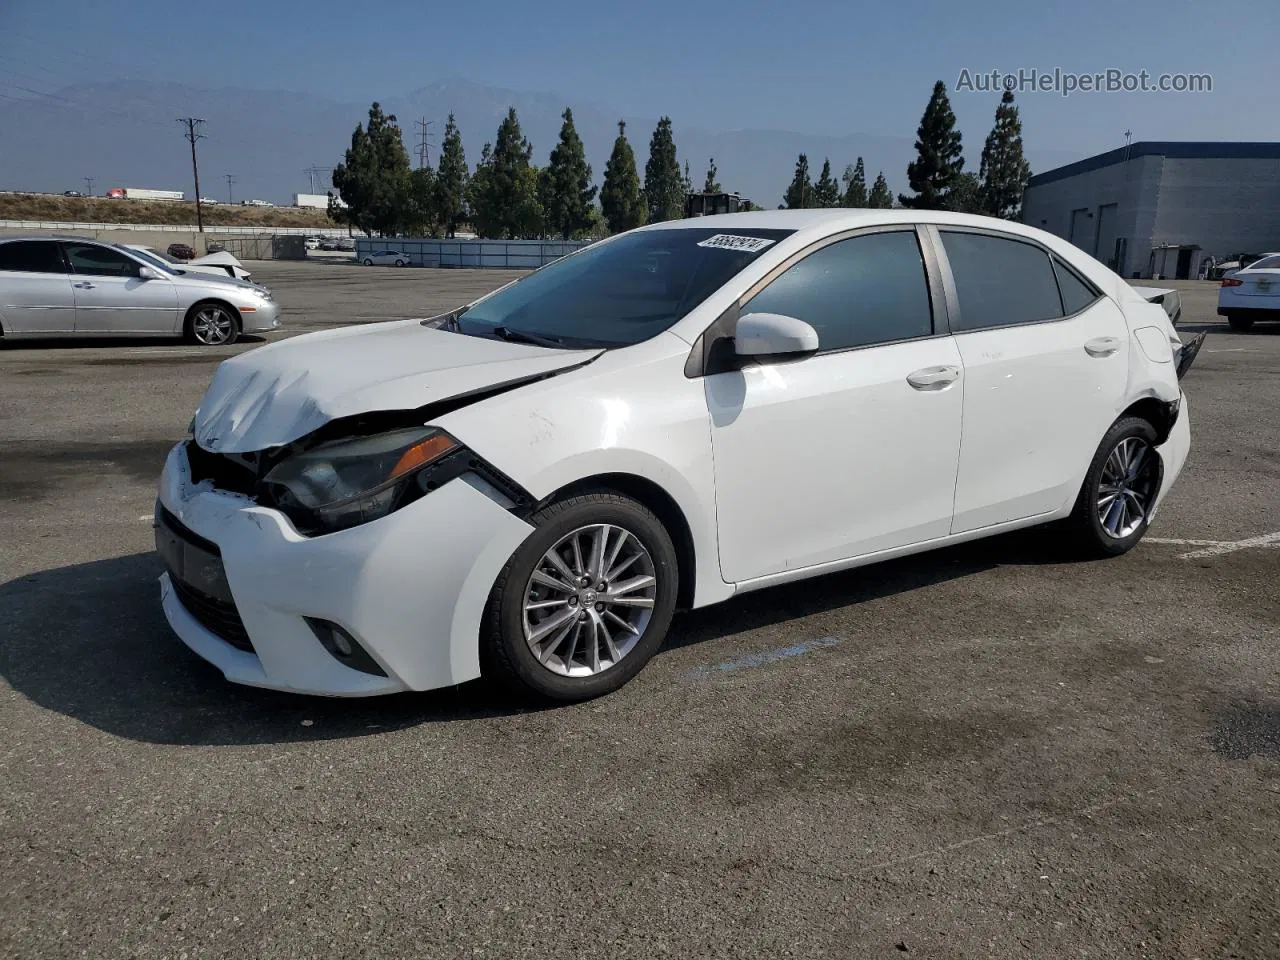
(422, 452)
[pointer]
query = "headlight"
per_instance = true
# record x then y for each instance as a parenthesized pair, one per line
(349, 482)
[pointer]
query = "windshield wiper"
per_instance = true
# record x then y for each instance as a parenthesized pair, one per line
(524, 336)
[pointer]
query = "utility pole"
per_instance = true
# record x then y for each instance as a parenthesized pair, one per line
(1128, 137)
(423, 125)
(88, 184)
(193, 124)
(230, 178)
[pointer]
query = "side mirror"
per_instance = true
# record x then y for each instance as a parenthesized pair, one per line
(773, 334)
(146, 273)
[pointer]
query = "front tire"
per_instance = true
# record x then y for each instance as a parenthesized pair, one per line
(1119, 492)
(368, 262)
(583, 603)
(1239, 323)
(211, 325)
(399, 263)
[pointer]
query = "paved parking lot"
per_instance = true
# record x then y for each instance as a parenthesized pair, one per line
(983, 752)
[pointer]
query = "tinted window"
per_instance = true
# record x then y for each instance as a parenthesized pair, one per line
(1266, 263)
(100, 261)
(1000, 282)
(621, 291)
(1076, 294)
(868, 289)
(33, 256)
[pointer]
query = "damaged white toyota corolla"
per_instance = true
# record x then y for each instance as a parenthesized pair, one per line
(529, 487)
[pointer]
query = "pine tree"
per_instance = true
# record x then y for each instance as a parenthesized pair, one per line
(799, 194)
(855, 186)
(663, 186)
(452, 180)
(620, 198)
(965, 195)
(568, 196)
(422, 213)
(373, 179)
(939, 159)
(504, 189)
(711, 184)
(1004, 171)
(826, 192)
(880, 198)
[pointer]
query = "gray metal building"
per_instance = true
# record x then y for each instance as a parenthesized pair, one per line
(1159, 209)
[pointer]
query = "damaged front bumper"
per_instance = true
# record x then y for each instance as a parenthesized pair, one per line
(394, 604)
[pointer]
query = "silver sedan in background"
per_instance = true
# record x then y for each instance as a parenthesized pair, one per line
(71, 287)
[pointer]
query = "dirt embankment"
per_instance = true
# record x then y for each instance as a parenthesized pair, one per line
(25, 206)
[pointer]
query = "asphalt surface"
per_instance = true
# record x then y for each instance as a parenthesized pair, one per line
(983, 752)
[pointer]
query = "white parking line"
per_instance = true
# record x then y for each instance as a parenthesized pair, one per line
(1232, 350)
(1265, 540)
(1217, 548)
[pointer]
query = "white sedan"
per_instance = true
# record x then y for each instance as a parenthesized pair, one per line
(529, 487)
(385, 258)
(1251, 294)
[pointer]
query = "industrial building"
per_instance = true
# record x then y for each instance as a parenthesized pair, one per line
(1163, 209)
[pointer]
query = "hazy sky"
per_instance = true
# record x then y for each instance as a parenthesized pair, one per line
(805, 65)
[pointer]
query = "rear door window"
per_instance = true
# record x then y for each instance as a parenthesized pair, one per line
(1000, 282)
(1076, 293)
(31, 256)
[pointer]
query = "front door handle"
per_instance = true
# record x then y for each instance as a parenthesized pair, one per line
(1102, 346)
(933, 378)
(84, 286)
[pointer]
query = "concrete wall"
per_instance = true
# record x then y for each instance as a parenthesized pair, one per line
(1134, 187)
(246, 245)
(1223, 205)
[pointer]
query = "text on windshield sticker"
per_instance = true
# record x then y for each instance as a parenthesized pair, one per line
(727, 241)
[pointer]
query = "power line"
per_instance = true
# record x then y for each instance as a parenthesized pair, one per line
(88, 182)
(315, 171)
(230, 178)
(193, 124)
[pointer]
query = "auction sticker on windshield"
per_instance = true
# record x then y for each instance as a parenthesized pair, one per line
(727, 241)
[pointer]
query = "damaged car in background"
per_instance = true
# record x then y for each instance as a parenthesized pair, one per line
(529, 487)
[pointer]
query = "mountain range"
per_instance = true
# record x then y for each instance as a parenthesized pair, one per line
(123, 134)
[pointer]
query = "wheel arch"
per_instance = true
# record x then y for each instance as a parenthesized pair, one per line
(235, 314)
(664, 506)
(1156, 412)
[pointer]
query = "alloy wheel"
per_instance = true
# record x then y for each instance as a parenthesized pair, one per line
(589, 600)
(1127, 487)
(213, 326)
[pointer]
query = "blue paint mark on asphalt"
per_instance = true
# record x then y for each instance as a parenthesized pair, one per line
(766, 657)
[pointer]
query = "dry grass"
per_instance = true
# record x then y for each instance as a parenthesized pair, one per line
(26, 206)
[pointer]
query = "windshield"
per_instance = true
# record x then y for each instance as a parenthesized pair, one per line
(153, 259)
(620, 292)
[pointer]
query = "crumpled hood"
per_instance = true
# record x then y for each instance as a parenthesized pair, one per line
(283, 391)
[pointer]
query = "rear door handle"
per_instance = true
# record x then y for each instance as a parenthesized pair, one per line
(933, 378)
(84, 286)
(1102, 346)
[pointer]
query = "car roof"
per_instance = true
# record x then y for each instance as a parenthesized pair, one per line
(837, 219)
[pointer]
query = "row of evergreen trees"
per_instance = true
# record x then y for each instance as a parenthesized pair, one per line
(937, 174)
(507, 196)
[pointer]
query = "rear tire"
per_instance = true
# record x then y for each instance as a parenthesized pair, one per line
(1114, 506)
(1239, 323)
(548, 636)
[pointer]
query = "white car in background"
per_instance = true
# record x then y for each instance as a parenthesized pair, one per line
(386, 258)
(1251, 294)
(221, 264)
(530, 486)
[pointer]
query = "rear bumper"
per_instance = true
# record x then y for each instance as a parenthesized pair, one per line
(1256, 313)
(1174, 451)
